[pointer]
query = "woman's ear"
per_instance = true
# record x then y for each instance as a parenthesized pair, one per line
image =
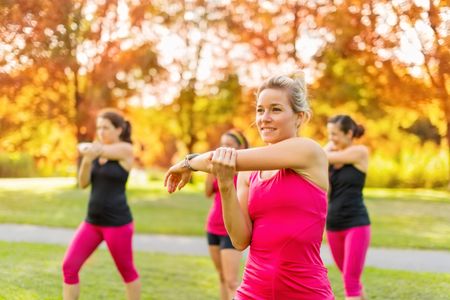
(349, 134)
(119, 130)
(300, 117)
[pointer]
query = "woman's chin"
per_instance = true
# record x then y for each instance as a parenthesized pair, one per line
(269, 139)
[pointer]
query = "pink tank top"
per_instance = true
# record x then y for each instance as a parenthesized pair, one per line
(214, 223)
(288, 215)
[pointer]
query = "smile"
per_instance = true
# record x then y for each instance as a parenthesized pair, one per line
(268, 129)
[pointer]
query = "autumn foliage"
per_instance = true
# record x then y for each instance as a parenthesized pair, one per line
(184, 71)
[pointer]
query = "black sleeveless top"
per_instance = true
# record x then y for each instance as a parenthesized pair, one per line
(346, 208)
(108, 202)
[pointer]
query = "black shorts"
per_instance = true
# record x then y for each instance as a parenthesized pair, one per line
(223, 241)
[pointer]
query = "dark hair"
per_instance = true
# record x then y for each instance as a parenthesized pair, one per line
(238, 136)
(346, 123)
(118, 121)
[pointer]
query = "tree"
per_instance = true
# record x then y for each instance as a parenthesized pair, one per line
(70, 62)
(399, 45)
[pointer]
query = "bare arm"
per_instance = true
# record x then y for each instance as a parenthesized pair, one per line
(294, 153)
(300, 154)
(89, 154)
(235, 210)
(209, 185)
(117, 151)
(122, 152)
(84, 174)
(357, 154)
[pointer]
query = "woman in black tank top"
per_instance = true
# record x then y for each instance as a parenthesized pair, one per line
(105, 166)
(348, 224)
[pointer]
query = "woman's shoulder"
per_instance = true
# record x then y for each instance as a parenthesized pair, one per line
(360, 149)
(308, 143)
(313, 147)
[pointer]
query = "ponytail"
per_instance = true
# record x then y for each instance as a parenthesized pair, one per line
(358, 131)
(125, 136)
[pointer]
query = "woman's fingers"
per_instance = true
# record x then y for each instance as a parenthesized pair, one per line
(233, 158)
(216, 156)
(184, 180)
(229, 157)
(222, 155)
(166, 178)
(224, 161)
(171, 181)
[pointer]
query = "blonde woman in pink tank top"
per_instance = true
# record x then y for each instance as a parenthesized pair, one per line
(279, 207)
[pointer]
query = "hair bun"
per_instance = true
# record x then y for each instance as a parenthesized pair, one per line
(298, 75)
(359, 131)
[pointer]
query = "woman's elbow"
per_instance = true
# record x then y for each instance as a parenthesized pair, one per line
(83, 185)
(240, 245)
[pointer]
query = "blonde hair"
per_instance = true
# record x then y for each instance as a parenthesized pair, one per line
(295, 86)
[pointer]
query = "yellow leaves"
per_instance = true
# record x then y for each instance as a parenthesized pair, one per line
(41, 76)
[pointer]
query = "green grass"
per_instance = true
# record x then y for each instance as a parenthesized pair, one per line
(408, 194)
(56, 202)
(408, 218)
(32, 271)
(401, 218)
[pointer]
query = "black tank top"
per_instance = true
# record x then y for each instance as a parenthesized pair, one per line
(346, 208)
(108, 202)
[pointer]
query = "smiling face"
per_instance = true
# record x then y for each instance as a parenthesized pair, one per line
(106, 132)
(338, 137)
(275, 118)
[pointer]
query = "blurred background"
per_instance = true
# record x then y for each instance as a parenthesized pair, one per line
(185, 71)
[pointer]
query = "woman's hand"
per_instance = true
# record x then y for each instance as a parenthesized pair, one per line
(330, 147)
(83, 147)
(224, 164)
(177, 177)
(91, 151)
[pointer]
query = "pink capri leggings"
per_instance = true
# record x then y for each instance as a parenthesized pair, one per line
(349, 248)
(86, 240)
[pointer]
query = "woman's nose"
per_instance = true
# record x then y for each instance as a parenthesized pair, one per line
(266, 117)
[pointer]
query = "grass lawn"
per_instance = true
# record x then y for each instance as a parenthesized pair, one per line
(400, 218)
(32, 271)
(409, 218)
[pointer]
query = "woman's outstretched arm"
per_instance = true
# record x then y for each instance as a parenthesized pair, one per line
(352, 155)
(301, 154)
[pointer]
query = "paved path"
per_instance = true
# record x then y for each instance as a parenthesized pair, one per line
(396, 259)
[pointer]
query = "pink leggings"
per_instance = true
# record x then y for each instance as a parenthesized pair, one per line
(86, 240)
(349, 248)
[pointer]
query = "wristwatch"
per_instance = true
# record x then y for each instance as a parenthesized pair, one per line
(187, 158)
